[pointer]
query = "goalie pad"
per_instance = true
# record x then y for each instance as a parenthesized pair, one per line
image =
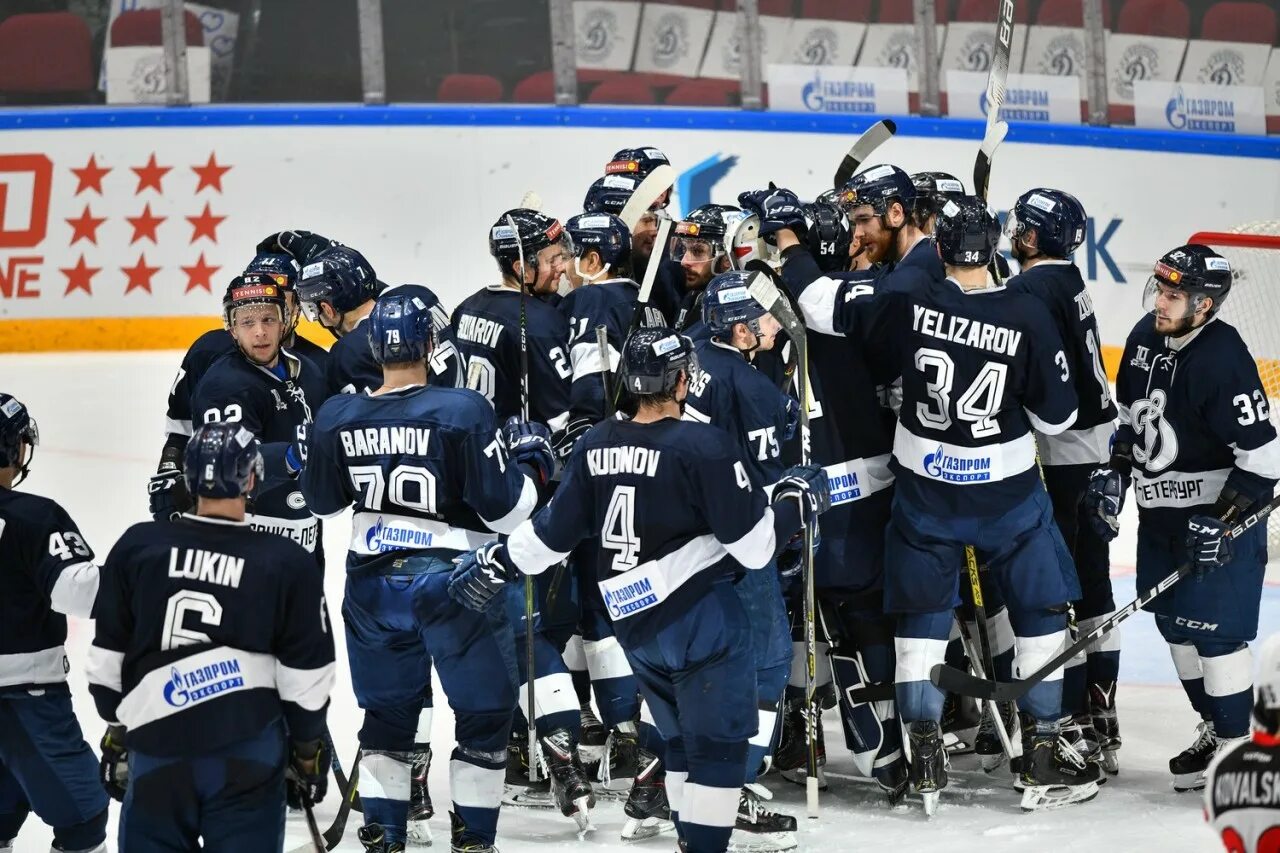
(863, 721)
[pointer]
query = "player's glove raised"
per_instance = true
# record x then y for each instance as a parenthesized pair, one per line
(529, 444)
(306, 780)
(1103, 501)
(302, 246)
(808, 486)
(777, 209)
(793, 418)
(113, 768)
(168, 496)
(1208, 542)
(481, 574)
(568, 440)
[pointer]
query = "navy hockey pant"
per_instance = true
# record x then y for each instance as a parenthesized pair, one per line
(46, 767)
(698, 676)
(232, 798)
(392, 621)
(761, 594)
(1027, 559)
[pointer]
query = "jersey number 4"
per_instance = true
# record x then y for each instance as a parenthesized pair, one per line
(619, 530)
(977, 405)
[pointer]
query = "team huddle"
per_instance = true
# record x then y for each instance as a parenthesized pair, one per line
(646, 507)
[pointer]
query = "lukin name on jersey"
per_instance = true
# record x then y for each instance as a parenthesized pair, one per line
(962, 330)
(206, 566)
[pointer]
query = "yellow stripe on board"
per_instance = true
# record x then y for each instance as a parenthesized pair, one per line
(64, 334)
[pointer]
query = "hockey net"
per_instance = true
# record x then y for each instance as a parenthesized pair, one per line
(1253, 307)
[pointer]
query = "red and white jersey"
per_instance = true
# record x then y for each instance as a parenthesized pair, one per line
(1242, 797)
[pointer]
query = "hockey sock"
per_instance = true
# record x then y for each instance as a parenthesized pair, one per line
(677, 773)
(384, 790)
(710, 797)
(1002, 643)
(921, 642)
(1074, 688)
(558, 706)
(615, 686)
(1040, 634)
(575, 661)
(1186, 660)
(422, 739)
(1104, 654)
(475, 782)
(1228, 687)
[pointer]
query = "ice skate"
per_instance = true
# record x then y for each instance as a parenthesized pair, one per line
(592, 742)
(987, 745)
(892, 779)
(647, 810)
(1079, 735)
(518, 790)
(1052, 774)
(791, 758)
(928, 772)
(960, 721)
(1102, 707)
(569, 783)
(374, 839)
(462, 841)
(758, 828)
(620, 764)
(1188, 767)
(420, 808)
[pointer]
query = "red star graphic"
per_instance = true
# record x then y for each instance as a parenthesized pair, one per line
(200, 275)
(139, 275)
(90, 177)
(150, 175)
(79, 277)
(85, 226)
(205, 225)
(144, 225)
(210, 174)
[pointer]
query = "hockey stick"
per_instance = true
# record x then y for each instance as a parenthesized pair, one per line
(870, 139)
(987, 666)
(763, 290)
(338, 773)
(531, 201)
(313, 829)
(949, 678)
(602, 344)
(646, 289)
(971, 650)
(997, 77)
(650, 190)
(528, 579)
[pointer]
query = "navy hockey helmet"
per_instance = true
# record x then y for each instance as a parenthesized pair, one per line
(727, 302)
(606, 234)
(967, 232)
(400, 328)
(282, 269)
(1057, 217)
(636, 161)
(17, 428)
(653, 359)
(609, 194)
(713, 230)
(1198, 271)
(219, 459)
(339, 276)
(252, 288)
(533, 232)
(932, 191)
(879, 186)
(828, 235)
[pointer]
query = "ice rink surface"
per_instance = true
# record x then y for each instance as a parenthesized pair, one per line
(101, 419)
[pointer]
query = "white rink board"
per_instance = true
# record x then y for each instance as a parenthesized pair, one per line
(98, 447)
(419, 200)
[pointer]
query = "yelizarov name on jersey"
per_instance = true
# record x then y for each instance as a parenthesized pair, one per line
(962, 330)
(479, 330)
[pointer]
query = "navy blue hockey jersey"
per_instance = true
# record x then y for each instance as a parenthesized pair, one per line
(1060, 287)
(425, 468)
(1196, 415)
(486, 329)
(353, 370)
(207, 631)
(674, 510)
(728, 392)
(47, 572)
(277, 411)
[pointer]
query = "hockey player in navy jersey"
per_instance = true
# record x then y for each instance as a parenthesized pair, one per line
(48, 574)
(1045, 227)
(271, 392)
(881, 203)
(212, 640)
(1239, 793)
(712, 239)
(728, 392)
(427, 471)
(678, 519)
(167, 490)
(1196, 444)
(337, 289)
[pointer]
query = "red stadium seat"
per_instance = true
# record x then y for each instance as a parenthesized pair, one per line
(1067, 13)
(1235, 21)
(143, 28)
(979, 11)
(704, 93)
(836, 10)
(1169, 18)
(45, 52)
(902, 12)
(538, 88)
(469, 89)
(622, 90)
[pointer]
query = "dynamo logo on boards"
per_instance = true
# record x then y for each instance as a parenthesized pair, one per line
(954, 469)
(188, 688)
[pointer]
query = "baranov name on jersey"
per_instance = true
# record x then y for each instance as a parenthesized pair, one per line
(962, 330)
(385, 441)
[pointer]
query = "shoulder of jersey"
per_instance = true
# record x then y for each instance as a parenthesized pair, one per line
(226, 369)
(699, 440)
(471, 404)
(31, 507)
(1145, 330)
(212, 344)
(1224, 336)
(333, 408)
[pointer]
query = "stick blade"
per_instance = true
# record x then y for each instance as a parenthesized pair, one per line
(986, 154)
(952, 680)
(871, 139)
(642, 198)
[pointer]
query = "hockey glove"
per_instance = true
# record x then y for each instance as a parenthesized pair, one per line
(113, 768)
(793, 419)
(168, 495)
(481, 574)
(808, 486)
(302, 246)
(1208, 542)
(1103, 501)
(529, 444)
(306, 780)
(568, 440)
(777, 209)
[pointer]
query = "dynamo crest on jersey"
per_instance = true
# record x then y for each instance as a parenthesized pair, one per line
(1159, 440)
